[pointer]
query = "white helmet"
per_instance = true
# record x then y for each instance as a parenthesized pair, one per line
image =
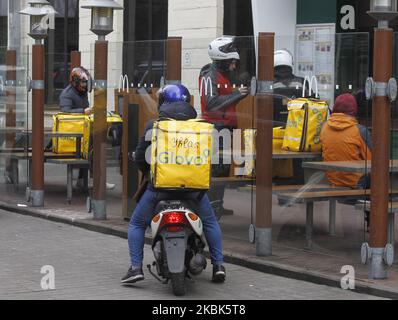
(223, 49)
(283, 57)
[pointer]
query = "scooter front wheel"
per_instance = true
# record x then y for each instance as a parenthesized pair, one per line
(178, 283)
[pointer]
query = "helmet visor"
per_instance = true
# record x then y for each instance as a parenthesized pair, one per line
(228, 48)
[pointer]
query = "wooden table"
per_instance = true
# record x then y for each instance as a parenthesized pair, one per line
(49, 134)
(346, 166)
(26, 154)
(295, 155)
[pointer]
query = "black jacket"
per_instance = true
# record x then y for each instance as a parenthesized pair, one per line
(177, 111)
(286, 86)
(71, 101)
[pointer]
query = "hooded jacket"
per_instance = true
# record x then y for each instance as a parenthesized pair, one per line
(343, 139)
(177, 111)
(218, 100)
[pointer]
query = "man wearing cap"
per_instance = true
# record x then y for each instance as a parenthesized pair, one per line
(343, 139)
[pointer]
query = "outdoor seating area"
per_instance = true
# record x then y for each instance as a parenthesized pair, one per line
(295, 146)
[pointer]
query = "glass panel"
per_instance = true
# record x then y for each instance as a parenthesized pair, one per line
(57, 77)
(14, 121)
(315, 207)
(133, 82)
(136, 70)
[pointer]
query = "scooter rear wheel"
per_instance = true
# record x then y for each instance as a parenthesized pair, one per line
(178, 283)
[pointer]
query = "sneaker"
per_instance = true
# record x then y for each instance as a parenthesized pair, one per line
(110, 186)
(218, 274)
(133, 275)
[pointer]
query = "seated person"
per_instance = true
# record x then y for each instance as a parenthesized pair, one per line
(343, 139)
(74, 99)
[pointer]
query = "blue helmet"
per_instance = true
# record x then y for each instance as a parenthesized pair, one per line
(174, 93)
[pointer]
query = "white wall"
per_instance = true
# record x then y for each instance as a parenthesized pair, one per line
(198, 22)
(276, 16)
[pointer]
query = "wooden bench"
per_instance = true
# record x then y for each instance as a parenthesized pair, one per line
(230, 181)
(314, 196)
(15, 157)
(71, 164)
(294, 188)
(392, 209)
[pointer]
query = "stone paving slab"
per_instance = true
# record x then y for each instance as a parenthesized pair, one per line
(88, 265)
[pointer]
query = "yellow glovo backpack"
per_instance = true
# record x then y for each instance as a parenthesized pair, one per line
(181, 154)
(67, 122)
(304, 124)
(280, 168)
(87, 143)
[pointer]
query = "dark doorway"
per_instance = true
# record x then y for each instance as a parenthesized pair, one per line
(238, 21)
(145, 30)
(4, 29)
(59, 44)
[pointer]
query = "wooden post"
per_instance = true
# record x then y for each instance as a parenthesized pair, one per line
(264, 105)
(11, 99)
(11, 78)
(381, 123)
(131, 137)
(75, 59)
(173, 58)
(37, 193)
(100, 130)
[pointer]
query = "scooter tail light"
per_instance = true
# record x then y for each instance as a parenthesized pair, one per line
(173, 219)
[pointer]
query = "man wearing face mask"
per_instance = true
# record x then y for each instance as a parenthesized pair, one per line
(219, 100)
(74, 99)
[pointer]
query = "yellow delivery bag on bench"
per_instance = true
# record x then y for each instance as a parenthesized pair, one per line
(305, 120)
(87, 144)
(280, 168)
(67, 122)
(181, 153)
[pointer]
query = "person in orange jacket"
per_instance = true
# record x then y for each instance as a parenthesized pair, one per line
(343, 139)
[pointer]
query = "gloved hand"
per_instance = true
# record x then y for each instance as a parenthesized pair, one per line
(88, 111)
(244, 91)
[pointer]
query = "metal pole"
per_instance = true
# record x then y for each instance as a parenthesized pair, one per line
(100, 130)
(66, 19)
(264, 103)
(37, 193)
(381, 122)
(173, 59)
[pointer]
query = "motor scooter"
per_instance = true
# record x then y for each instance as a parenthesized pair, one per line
(178, 243)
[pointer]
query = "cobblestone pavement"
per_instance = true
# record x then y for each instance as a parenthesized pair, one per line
(89, 265)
